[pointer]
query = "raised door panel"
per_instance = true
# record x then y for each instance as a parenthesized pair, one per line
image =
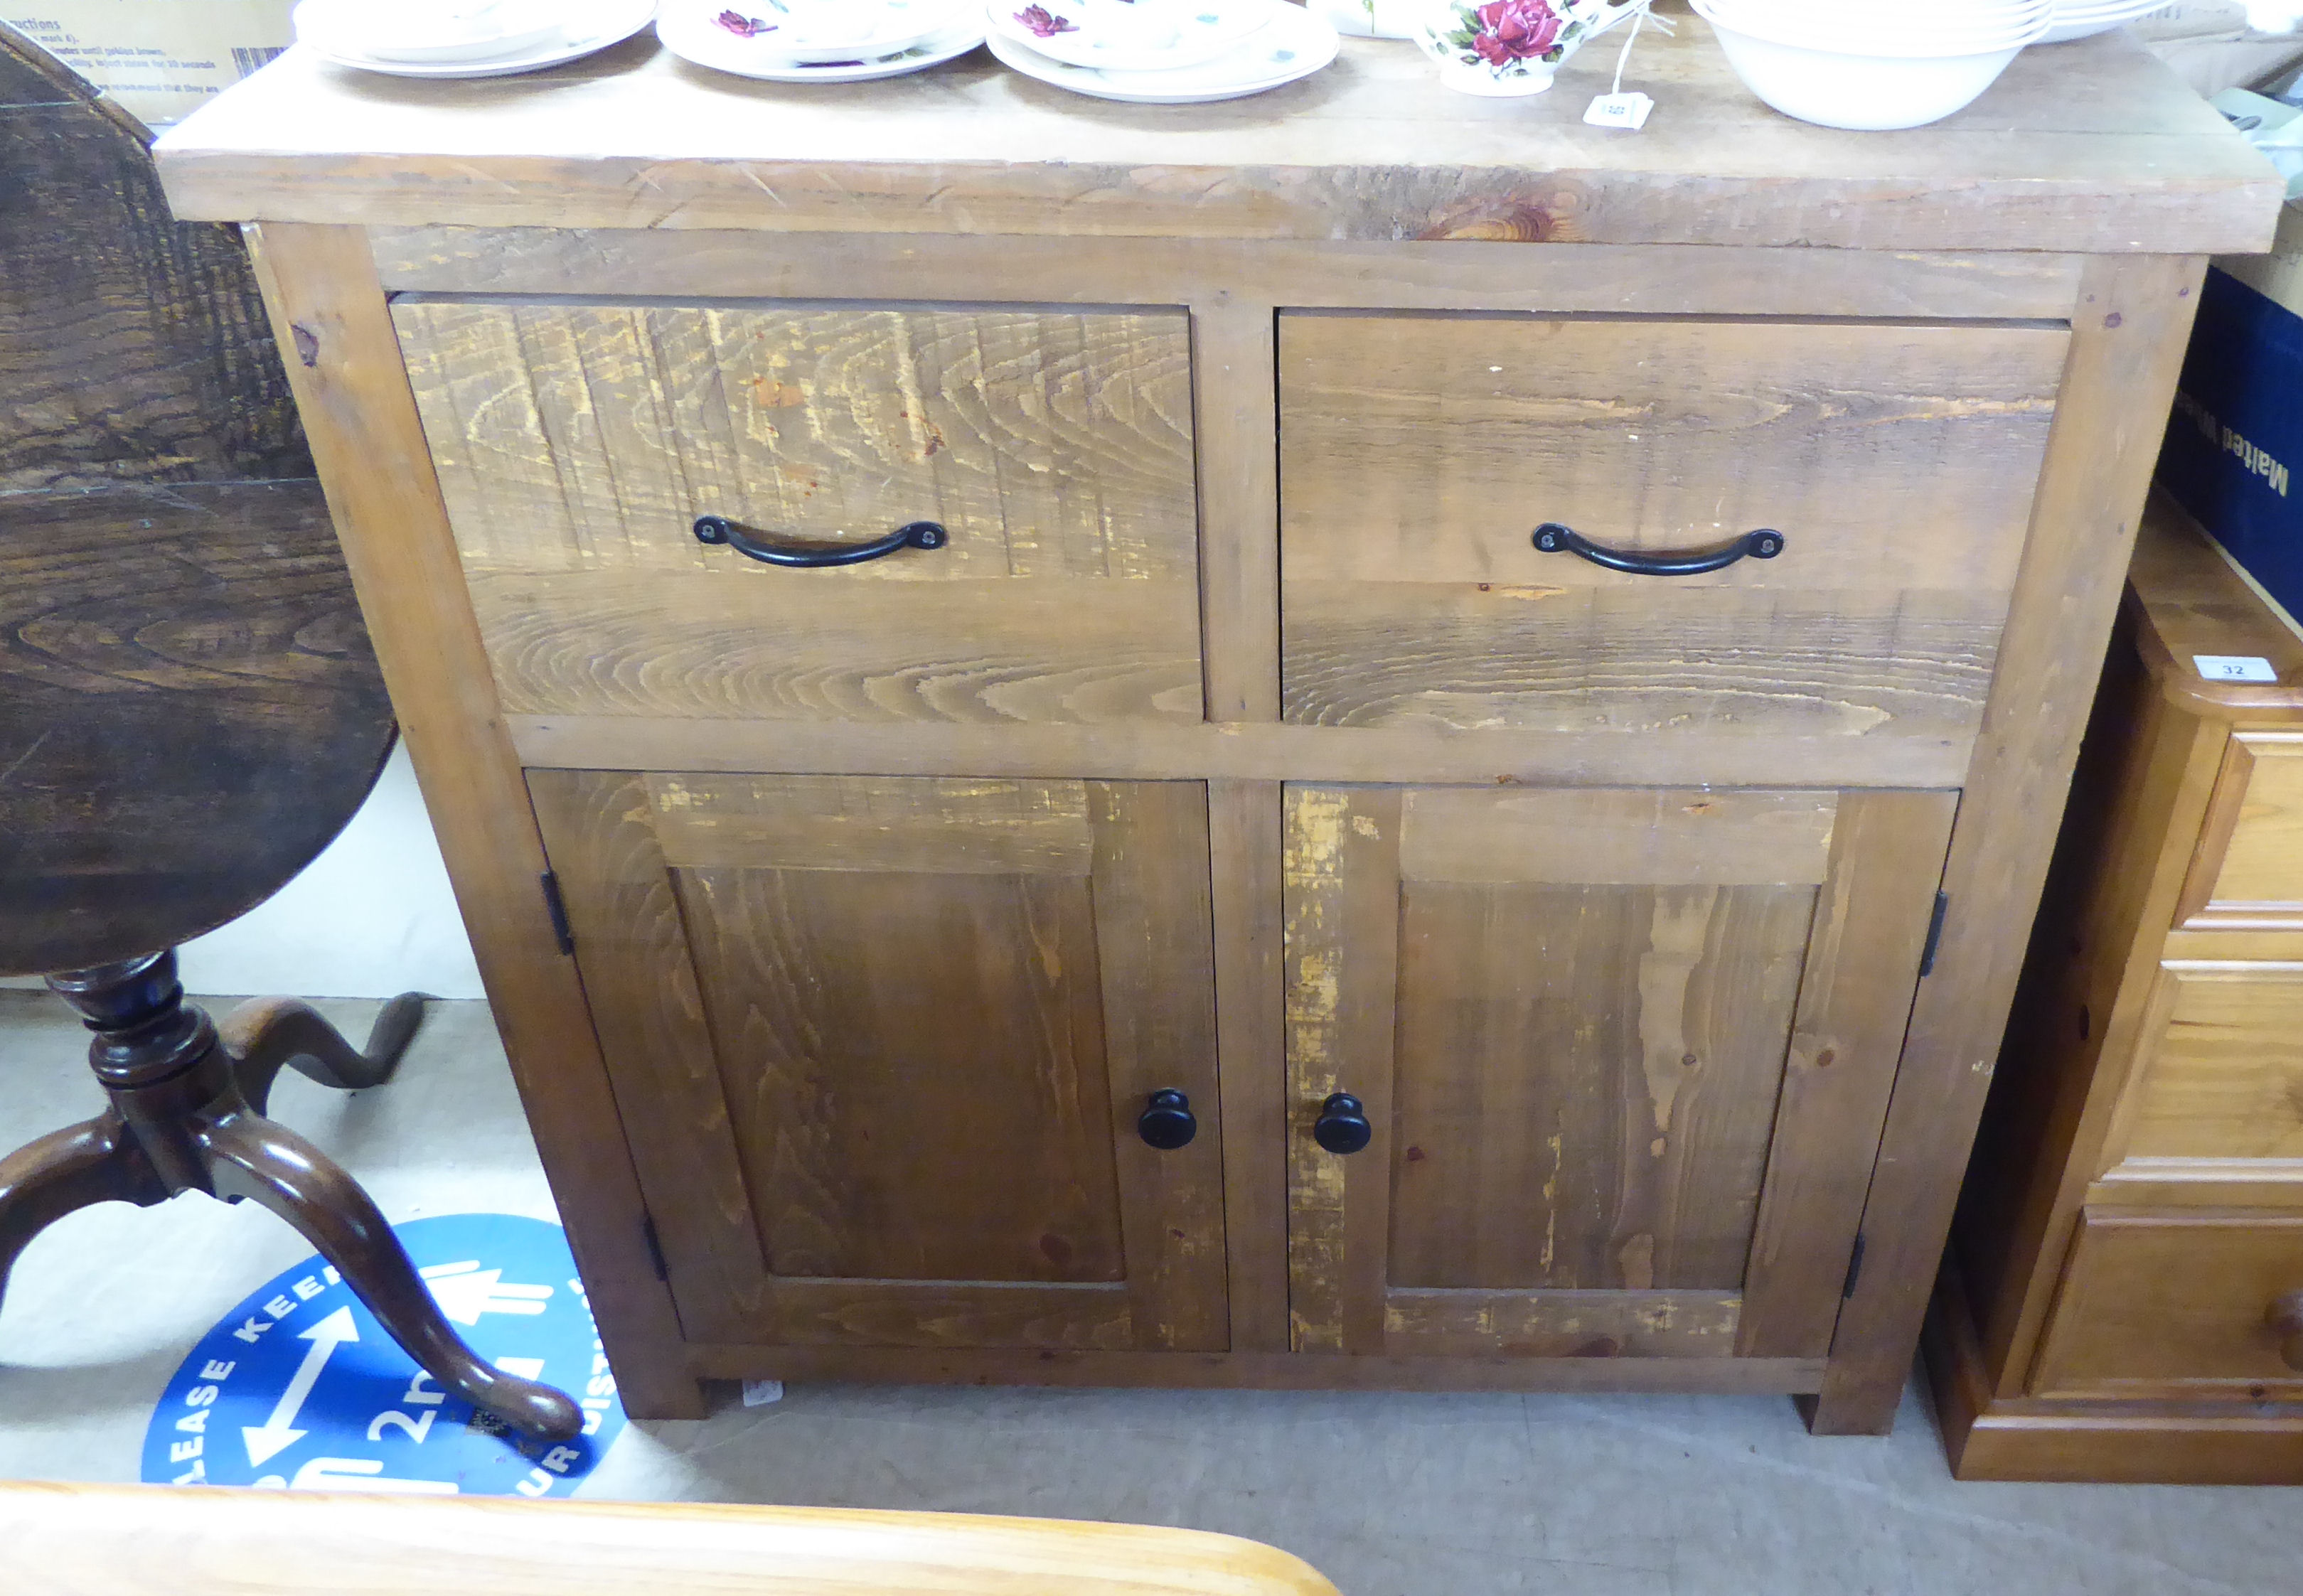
(880, 1047)
(1624, 1054)
(2216, 1095)
(576, 445)
(1418, 453)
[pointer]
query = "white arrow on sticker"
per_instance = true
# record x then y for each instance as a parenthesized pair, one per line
(276, 1435)
(465, 1291)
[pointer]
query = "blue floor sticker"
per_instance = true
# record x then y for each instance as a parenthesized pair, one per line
(300, 1389)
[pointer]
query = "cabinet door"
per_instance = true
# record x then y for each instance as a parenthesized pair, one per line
(1625, 1055)
(879, 1046)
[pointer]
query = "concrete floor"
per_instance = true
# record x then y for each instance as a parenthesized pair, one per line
(1390, 1495)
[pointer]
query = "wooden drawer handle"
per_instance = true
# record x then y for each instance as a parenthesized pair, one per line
(2285, 1315)
(1765, 543)
(916, 535)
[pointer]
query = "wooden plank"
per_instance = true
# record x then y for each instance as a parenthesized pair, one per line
(646, 1007)
(2248, 872)
(2216, 1074)
(1255, 1371)
(2097, 147)
(900, 826)
(1646, 279)
(1855, 1002)
(1142, 750)
(1237, 420)
(1587, 1081)
(204, 1542)
(913, 1313)
(1599, 837)
(1342, 906)
(1593, 1325)
(1082, 651)
(1245, 823)
(2127, 346)
(319, 284)
(1153, 945)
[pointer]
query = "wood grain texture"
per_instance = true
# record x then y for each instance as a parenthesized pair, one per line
(136, 349)
(2127, 345)
(1561, 1324)
(2215, 1075)
(1256, 1370)
(1245, 846)
(1143, 750)
(1855, 1002)
(204, 1542)
(369, 446)
(1233, 386)
(2175, 1304)
(1417, 453)
(903, 1028)
(190, 710)
(2099, 148)
(576, 444)
(2248, 870)
(1647, 279)
(2188, 600)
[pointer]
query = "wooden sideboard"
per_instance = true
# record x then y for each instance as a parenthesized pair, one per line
(2126, 1274)
(1537, 946)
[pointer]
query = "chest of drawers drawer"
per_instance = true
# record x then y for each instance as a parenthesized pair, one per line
(1418, 453)
(577, 444)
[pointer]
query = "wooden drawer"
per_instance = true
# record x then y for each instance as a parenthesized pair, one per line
(1419, 453)
(577, 445)
(2248, 870)
(2150, 1302)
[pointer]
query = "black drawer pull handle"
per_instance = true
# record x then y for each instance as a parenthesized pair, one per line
(1765, 543)
(917, 534)
(1342, 1127)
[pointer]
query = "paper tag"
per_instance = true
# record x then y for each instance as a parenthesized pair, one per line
(2235, 667)
(759, 1393)
(1620, 111)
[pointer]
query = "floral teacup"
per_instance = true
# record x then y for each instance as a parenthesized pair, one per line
(1512, 46)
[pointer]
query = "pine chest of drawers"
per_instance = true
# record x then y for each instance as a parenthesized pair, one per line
(1370, 799)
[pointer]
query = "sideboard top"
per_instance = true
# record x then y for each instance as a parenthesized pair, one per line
(2093, 147)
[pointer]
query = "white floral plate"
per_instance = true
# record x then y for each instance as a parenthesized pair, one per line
(591, 27)
(1135, 36)
(690, 33)
(1295, 45)
(825, 32)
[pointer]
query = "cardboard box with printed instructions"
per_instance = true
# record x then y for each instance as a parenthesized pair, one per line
(160, 60)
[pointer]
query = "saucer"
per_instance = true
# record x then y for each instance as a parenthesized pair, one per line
(826, 32)
(691, 33)
(1294, 44)
(593, 28)
(1117, 36)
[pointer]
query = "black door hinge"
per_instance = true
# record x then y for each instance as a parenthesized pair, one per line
(1854, 1268)
(557, 907)
(1935, 934)
(654, 1247)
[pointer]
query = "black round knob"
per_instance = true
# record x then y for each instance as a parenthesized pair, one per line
(1168, 1122)
(1342, 1127)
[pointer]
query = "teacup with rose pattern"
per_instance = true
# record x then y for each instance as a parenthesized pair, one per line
(1512, 46)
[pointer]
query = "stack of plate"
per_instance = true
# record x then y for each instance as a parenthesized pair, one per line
(2083, 19)
(819, 41)
(1873, 64)
(464, 39)
(1160, 52)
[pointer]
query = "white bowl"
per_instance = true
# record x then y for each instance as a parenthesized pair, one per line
(1843, 27)
(1866, 93)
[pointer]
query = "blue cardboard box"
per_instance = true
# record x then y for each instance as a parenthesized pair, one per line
(2235, 439)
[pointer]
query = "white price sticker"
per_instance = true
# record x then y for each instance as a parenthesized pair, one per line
(2235, 667)
(1628, 110)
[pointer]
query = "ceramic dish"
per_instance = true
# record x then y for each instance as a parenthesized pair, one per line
(591, 28)
(1134, 36)
(693, 37)
(431, 31)
(1295, 45)
(826, 32)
